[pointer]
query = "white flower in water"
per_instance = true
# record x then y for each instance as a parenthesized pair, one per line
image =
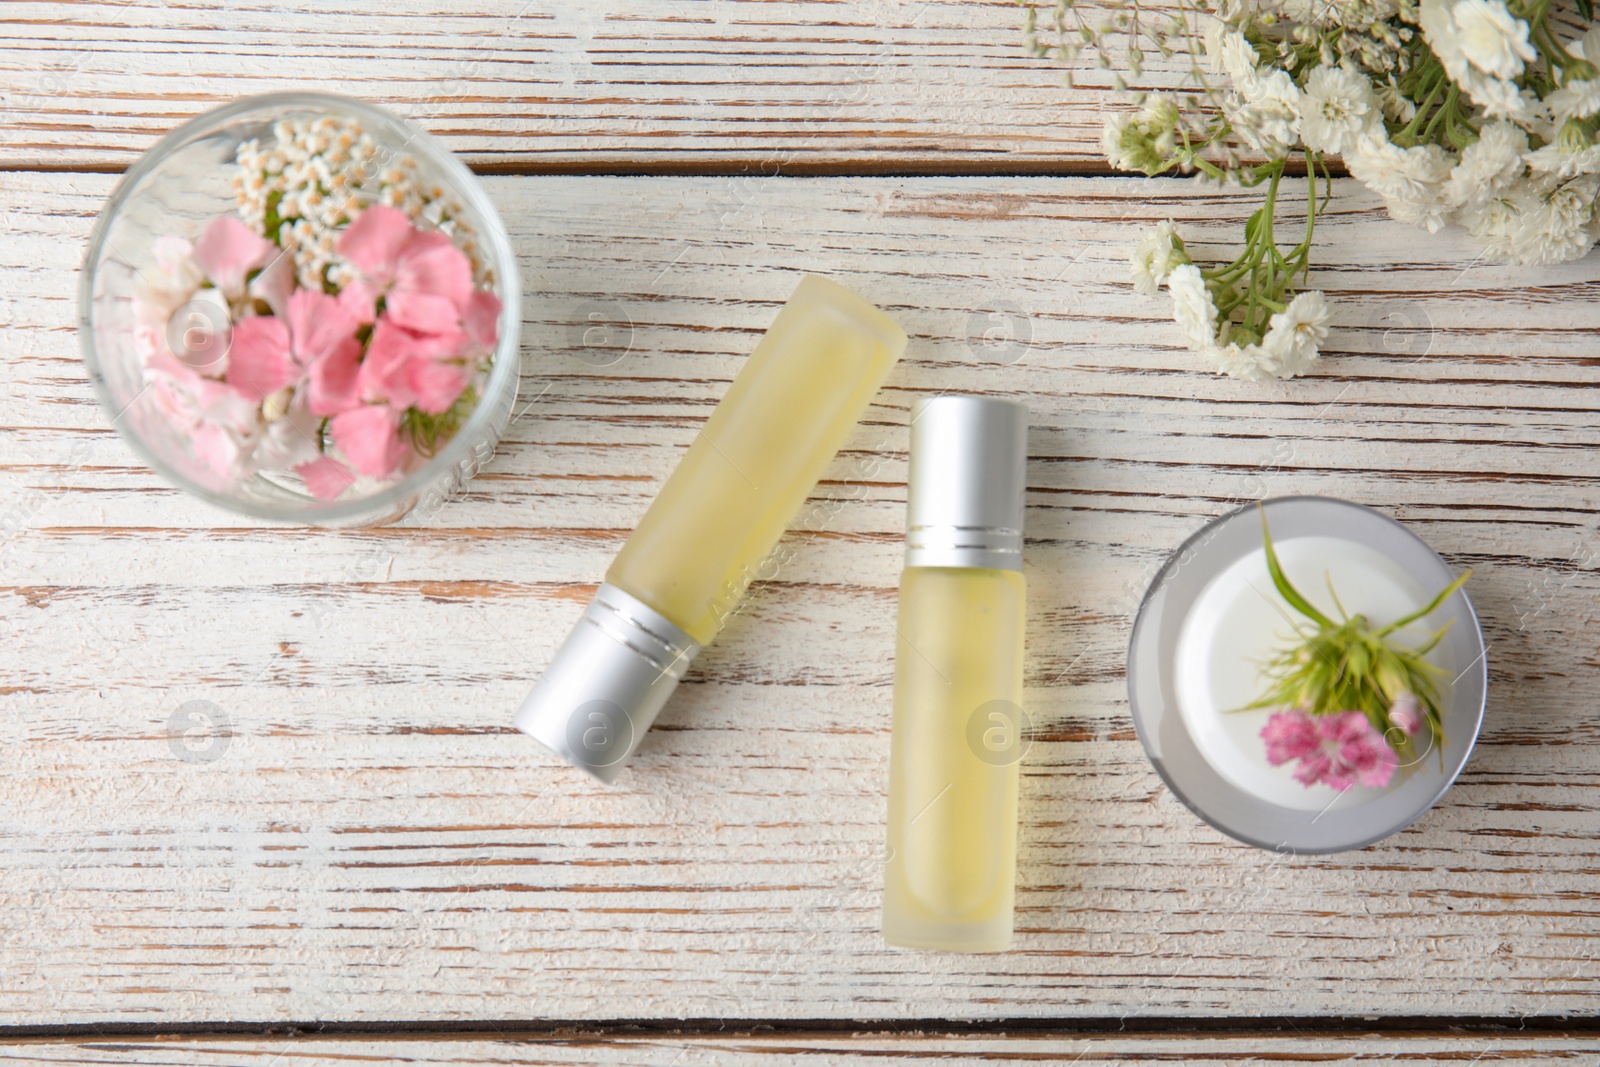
(1337, 106)
(1410, 180)
(1491, 37)
(1192, 307)
(1295, 334)
(1154, 257)
(1488, 165)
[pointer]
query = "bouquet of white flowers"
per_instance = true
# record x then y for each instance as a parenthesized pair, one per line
(1478, 113)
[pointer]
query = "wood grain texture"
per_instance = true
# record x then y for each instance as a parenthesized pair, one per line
(841, 1050)
(748, 85)
(373, 842)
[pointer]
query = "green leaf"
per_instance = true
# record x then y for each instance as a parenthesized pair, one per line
(1426, 611)
(1286, 590)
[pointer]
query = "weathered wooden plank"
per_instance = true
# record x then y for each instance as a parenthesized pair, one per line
(745, 85)
(369, 840)
(842, 1050)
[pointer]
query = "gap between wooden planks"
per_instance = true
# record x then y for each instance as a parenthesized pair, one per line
(373, 843)
(651, 1046)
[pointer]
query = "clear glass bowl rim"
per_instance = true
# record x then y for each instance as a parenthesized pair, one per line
(507, 352)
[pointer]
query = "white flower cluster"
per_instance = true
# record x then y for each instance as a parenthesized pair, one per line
(1262, 103)
(1524, 204)
(318, 174)
(1293, 337)
(1483, 114)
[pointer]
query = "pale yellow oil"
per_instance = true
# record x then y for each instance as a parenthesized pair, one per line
(950, 869)
(758, 457)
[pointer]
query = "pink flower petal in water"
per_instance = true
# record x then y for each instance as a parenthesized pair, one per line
(215, 447)
(482, 320)
(325, 477)
(259, 359)
(370, 438)
(275, 283)
(333, 384)
(435, 386)
(382, 371)
(390, 373)
(228, 250)
(425, 280)
(317, 323)
(422, 312)
(373, 242)
(359, 299)
(432, 266)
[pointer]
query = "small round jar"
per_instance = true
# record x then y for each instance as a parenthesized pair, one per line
(176, 189)
(1212, 616)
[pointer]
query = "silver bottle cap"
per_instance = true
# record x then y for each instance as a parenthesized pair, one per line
(964, 494)
(607, 683)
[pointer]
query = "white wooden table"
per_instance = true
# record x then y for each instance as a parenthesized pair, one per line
(369, 856)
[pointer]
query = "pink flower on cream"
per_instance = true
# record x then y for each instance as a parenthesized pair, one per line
(1406, 714)
(1337, 750)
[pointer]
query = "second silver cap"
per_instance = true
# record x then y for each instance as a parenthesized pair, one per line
(964, 500)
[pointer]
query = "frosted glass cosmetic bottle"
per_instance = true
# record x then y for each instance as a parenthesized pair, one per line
(950, 866)
(688, 562)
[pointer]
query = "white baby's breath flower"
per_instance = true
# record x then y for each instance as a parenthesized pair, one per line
(1251, 363)
(1295, 334)
(1337, 106)
(1410, 180)
(1492, 38)
(1112, 133)
(1228, 51)
(1397, 107)
(1154, 257)
(1144, 141)
(1457, 41)
(1264, 110)
(1555, 226)
(1563, 165)
(1495, 224)
(1488, 166)
(1579, 99)
(1192, 307)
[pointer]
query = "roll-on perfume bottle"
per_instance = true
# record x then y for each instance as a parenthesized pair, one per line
(690, 559)
(958, 719)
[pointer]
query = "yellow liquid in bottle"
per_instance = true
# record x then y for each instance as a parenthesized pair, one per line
(951, 864)
(760, 454)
